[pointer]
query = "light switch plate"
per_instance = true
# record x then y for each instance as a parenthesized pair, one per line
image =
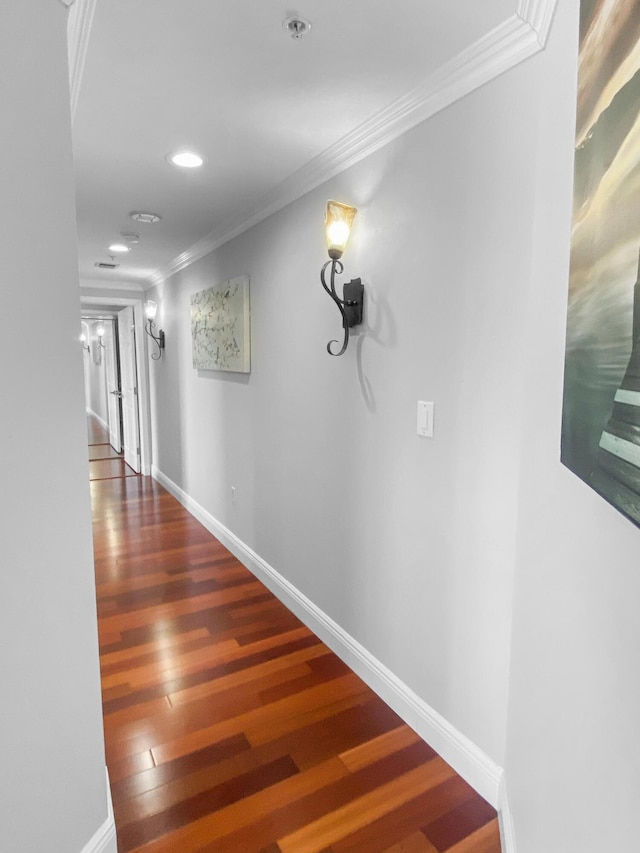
(425, 419)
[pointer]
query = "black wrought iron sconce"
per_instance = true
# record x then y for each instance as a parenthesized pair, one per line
(100, 330)
(150, 309)
(338, 223)
(83, 341)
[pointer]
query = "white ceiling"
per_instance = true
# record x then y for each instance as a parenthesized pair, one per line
(274, 116)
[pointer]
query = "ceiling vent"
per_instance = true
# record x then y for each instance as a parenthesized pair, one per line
(296, 27)
(105, 265)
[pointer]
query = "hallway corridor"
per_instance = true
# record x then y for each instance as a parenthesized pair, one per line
(229, 727)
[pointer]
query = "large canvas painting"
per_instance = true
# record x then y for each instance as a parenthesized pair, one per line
(601, 410)
(221, 327)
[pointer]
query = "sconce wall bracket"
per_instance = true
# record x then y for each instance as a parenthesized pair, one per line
(350, 306)
(159, 338)
(353, 292)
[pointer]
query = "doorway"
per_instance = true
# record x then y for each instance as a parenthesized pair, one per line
(116, 380)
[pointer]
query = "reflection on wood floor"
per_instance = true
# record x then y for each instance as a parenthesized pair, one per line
(230, 727)
(104, 461)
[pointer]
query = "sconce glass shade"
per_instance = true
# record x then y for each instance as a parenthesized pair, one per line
(150, 309)
(100, 330)
(338, 221)
(83, 337)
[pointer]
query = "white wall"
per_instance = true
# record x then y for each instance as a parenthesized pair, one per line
(407, 543)
(417, 548)
(96, 373)
(86, 362)
(102, 292)
(52, 769)
(573, 757)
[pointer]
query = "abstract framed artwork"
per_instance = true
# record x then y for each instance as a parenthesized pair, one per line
(221, 327)
(601, 404)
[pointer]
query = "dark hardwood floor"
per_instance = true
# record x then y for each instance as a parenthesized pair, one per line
(104, 461)
(229, 726)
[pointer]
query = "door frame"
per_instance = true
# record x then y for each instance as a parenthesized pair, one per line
(115, 303)
(125, 324)
(111, 357)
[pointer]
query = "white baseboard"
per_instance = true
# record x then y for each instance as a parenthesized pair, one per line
(100, 420)
(104, 839)
(507, 835)
(462, 754)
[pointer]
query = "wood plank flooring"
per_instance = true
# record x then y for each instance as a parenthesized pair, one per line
(104, 461)
(230, 727)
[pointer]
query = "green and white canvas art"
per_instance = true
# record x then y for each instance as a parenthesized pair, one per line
(221, 327)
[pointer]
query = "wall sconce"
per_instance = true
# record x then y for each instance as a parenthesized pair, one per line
(150, 309)
(338, 223)
(100, 330)
(83, 341)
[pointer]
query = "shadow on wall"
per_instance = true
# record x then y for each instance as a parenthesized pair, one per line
(227, 376)
(382, 331)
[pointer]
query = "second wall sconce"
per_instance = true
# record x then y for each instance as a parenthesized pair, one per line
(338, 221)
(150, 309)
(100, 331)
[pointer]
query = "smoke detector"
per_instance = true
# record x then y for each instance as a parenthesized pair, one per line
(142, 216)
(296, 27)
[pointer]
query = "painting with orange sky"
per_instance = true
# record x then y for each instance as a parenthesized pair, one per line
(601, 407)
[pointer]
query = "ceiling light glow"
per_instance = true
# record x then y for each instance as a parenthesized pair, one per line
(119, 247)
(186, 159)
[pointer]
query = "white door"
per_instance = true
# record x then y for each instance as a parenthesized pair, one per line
(129, 388)
(113, 387)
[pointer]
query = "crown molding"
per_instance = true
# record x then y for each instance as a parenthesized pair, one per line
(519, 37)
(78, 31)
(538, 14)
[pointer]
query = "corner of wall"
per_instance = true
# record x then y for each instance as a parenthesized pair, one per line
(507, 834)
(104, 839)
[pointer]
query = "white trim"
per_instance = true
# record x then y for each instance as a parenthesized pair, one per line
(100, 420)
(538, 14)
(115, 284)
(630, 398)
(464, 756)
(507, 834)
(516, 39)
(78, 32)
(104, 840)
(142, 368)
(621, 448)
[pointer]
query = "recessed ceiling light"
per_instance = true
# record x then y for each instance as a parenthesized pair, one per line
(130, 238)
(141, 216)
(186, 159)
(119, 247)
